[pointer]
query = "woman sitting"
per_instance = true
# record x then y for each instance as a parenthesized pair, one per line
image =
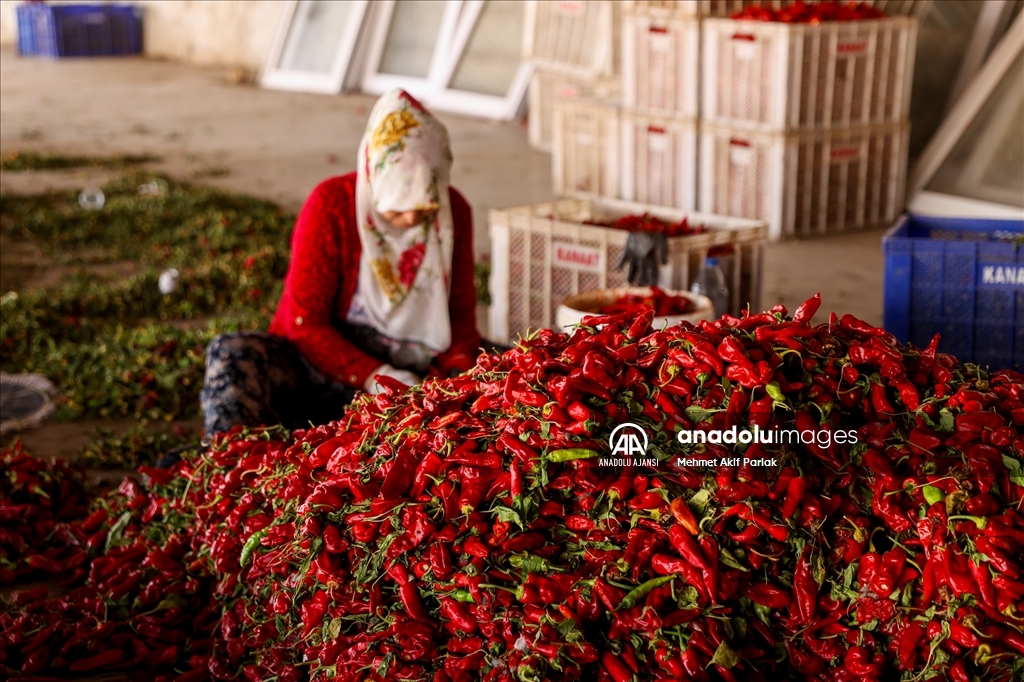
(380, 283)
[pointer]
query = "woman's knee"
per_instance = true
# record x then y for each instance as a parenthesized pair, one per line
(233, 344)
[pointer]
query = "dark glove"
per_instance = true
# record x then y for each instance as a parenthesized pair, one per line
(645, 251)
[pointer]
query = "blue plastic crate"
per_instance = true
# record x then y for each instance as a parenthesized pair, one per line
(961, 278)
(79, 30)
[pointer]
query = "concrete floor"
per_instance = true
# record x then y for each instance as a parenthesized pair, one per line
(279, 145)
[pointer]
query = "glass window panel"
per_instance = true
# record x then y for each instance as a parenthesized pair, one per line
(987, 162)
(1017, 7)
(492, 55)
(413, 32)
(314, 35)
(943, 36)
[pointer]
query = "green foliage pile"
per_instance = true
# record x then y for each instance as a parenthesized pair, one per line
(114, 345)
(29, 161)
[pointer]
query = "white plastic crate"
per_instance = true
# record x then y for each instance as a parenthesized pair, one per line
(726, 8)
(585, 150)
(659, 160)
(543, 253)
(696, 8)
(547, 86)
(573, 34)
(660, 64)
(805, 184)
(778, 77)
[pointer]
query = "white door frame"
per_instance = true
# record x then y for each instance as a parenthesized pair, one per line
(274, 77)
(460, 20)
(377, 83)
(473, 103)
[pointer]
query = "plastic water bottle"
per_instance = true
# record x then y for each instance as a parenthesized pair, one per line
(710, 282)
(91, 199)
(168, 281)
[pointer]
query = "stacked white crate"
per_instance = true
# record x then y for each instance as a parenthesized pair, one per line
(806, 126)
(573, 46)
(653, 157)
(550, 85)
(645, 148)
(586, 148)
(642, 149)
(660, 55)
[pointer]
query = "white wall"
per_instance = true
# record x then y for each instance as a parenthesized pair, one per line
(210, 32)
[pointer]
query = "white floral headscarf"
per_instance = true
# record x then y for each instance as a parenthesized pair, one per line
(404, 275)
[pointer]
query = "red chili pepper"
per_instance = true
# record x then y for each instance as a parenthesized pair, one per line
(93, 522)
(410, 596)
(805, 589)
(684, 515)
(104, 659)
(1015, 640)
(794, 496)
(962, 636)
(767, 595)
(908, 394)
(805, 311)
(609, 595)
(880, 402)
(618, 670)
(313, 610)
(647, 500)
(983, 578)
(860, 662)
(454, 612)
(998, 558)
(662, 564)
(960, 578)
(683, 543)
(709, 569)
(883, 505)
(888, 572)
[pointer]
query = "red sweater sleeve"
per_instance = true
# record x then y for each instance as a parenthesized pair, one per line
(314, 281)
(462, 300)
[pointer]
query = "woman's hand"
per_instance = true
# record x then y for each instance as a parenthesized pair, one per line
(372, 387)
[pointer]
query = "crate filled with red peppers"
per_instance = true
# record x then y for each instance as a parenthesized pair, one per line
(543, 253)
(807, 67)
(480, 527)
(805, 116)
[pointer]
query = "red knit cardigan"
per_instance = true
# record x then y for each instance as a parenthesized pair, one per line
(322, 278)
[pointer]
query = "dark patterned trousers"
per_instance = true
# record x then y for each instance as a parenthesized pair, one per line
(257, 379)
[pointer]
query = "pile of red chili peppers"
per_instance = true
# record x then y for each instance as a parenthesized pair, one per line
(811, 12)
(648, 223)
(658, 300)
(35, 501)
(466, 528)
